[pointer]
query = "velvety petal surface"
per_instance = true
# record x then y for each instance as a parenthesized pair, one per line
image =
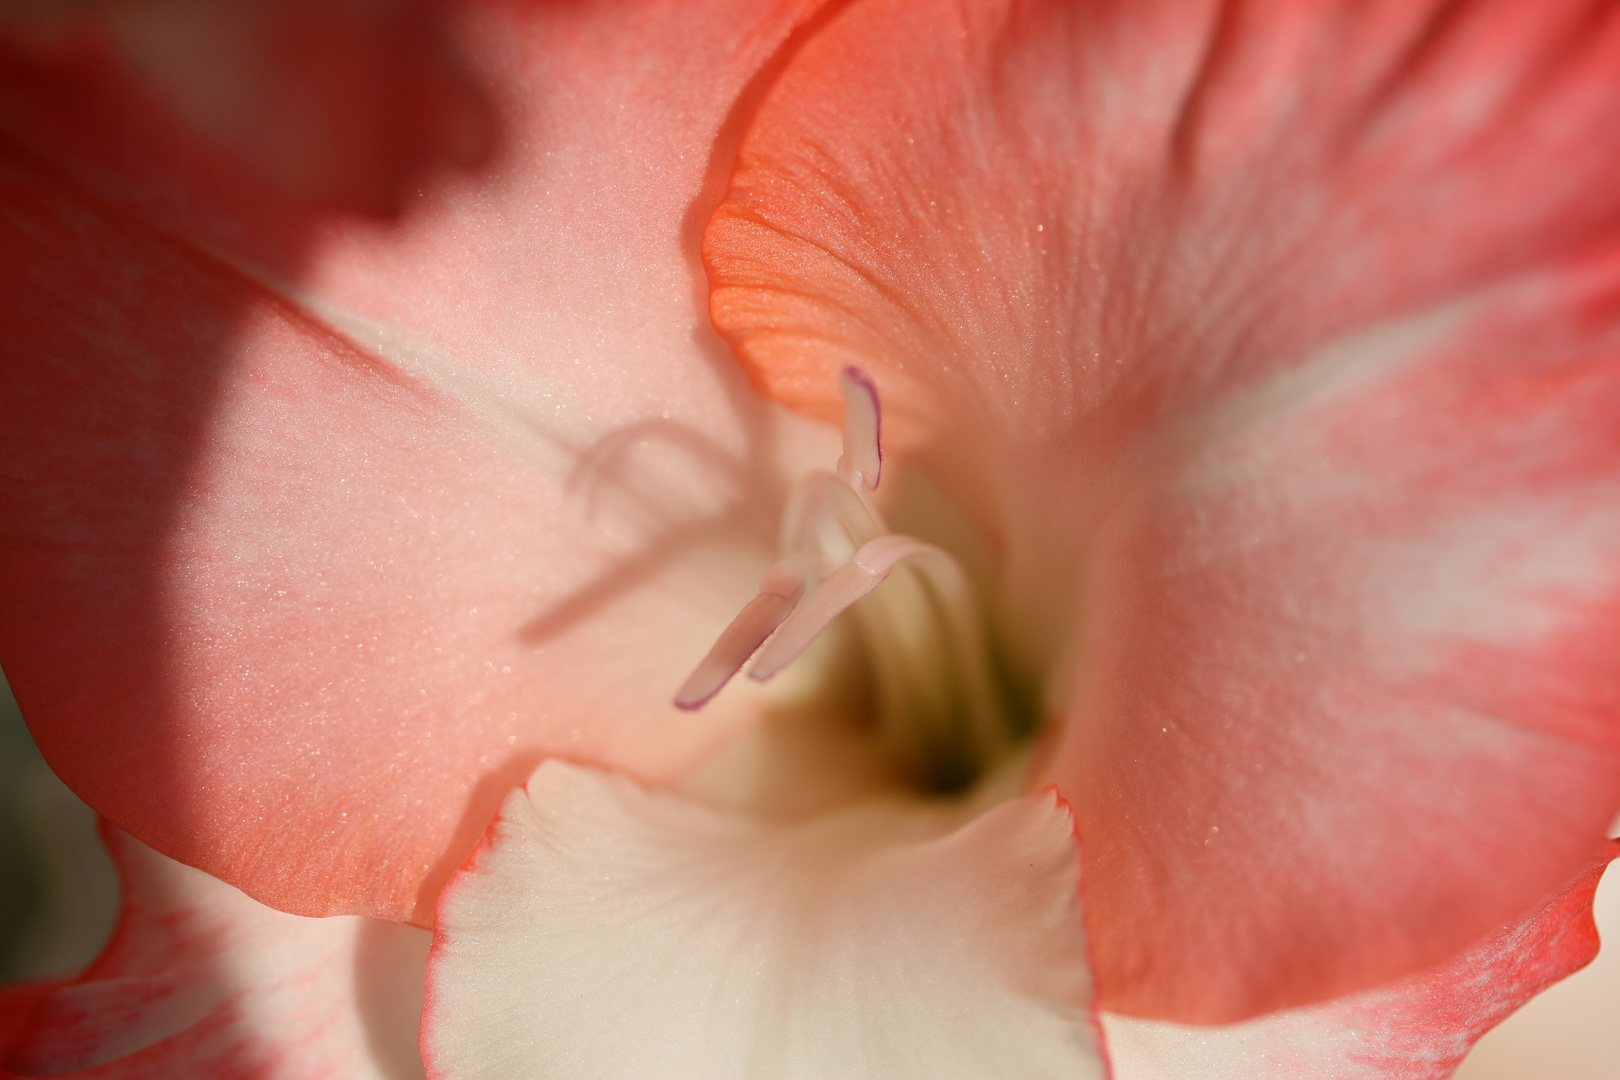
(1351, 659)
(200, 981)
(1418, 1028)
(299, 581)
(607, 931)
(1280, 370)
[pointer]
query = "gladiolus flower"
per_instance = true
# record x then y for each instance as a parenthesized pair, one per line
(1198, 663)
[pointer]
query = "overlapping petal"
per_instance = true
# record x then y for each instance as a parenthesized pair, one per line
(1390, 600)
(1280, 369)
(1274, 362)
(201, 981)
(301, 579)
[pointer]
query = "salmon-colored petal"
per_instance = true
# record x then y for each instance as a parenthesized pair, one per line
(1044, 227)
(1194, 308)
(299, 581)
(201, 981)
(1344, 692)
(1418, 1028)
(1031, 209)
(604, 930)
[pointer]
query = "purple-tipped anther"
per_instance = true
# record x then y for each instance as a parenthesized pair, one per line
(863, 427)
(779, 591)
(849, 583)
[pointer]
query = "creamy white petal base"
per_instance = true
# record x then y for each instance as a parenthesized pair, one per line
(605, 931)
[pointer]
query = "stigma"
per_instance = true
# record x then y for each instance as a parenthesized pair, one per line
(938, 707)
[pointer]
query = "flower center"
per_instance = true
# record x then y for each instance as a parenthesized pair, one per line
(940, 712)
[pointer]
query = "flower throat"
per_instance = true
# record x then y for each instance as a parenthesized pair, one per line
(941, 713)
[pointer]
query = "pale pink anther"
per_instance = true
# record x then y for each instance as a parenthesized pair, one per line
(843, 587)
(779, 590)
(863, 427)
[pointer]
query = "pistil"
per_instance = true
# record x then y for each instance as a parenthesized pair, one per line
(940, 713)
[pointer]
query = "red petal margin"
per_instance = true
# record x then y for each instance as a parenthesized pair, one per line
(1312, 553)
(200, 981)
(1419, 1028)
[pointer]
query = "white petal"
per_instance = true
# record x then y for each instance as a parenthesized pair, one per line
(607, 931)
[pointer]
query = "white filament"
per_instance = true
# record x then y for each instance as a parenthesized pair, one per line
(779, 591)
(863, 430)
(937, 704)
(840, 589)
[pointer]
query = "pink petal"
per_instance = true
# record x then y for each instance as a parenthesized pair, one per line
(200, 981)
(604, 930)
(1349, 692)
(1029, 209)
(1192, 307)
(298, 582)
(1418, 1028)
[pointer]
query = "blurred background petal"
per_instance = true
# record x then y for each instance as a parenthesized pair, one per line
(58, 889)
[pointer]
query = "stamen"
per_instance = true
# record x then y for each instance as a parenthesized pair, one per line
(829, 519)
(842, 587)
(862, 462)
(779, 591)
(936, 700)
